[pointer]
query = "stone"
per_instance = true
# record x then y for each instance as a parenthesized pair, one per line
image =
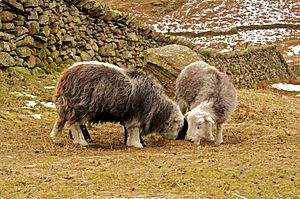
(31, 62)
(108, 50)
(38, 71)
(6, 36)
(20, 30)
(33, 15)
(6, 60)
(7, 16)
(42, 53)
(54, 27)
(44, 20)
(127, 55)
(52, 5)
(54, 54)
(33, 27)
(85, 56)
(5, 46)
(8, 26)
(167, 62)
(25, 41)
(15, 4)
(133, 37)
(24, 51)
(19, 71)
(45, 31)
(31, 3)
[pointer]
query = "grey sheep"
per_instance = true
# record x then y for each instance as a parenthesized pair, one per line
(206, 97)
(101, 92)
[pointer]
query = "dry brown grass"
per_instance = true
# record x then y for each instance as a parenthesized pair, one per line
(260, 157)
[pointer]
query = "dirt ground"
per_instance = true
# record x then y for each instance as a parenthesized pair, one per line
(259, 159)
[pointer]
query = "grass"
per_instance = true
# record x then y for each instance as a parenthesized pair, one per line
(260, 157)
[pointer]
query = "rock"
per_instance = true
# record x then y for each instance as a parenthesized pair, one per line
(45, 31)
(55, 54)
(20, 30)
(167, 62)
(42, 53)
(85, 56)
(31, 62)
(6, 36)
(6, 60)
(44, 20)
(27, 41)
(5, 46)
(33, 15)
(133, 37)
(31, 3)
(38, 71)
(7, 16)
(24, 51)
(14, 4)
(19, 71)
(108, 50)
(33, 27)
(8, 26)
(127, 55)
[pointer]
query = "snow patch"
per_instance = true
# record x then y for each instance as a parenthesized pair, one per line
(48, 104)
(286, 87)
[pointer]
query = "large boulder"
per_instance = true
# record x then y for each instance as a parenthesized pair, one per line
(166, 63)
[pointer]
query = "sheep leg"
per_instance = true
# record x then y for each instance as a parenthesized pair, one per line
(133, 137)
(78, 137)
(219, 139)
(126, 137)
(56, 132)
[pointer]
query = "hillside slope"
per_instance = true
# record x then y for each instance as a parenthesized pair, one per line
(225, 25)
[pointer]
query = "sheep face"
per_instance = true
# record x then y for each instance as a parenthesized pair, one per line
(174, 125)
(199, 126)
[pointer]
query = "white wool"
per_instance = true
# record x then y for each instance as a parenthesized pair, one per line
(96, 63)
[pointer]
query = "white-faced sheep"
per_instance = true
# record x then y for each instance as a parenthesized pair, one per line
(100, 92)
(206, 97)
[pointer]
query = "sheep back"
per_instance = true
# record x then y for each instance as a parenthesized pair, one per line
(199, 82)
(97, 93)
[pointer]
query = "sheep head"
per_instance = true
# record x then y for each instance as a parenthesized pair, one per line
(199, 125)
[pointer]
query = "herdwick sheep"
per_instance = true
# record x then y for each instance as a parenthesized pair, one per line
(206, 97)
(100, 92)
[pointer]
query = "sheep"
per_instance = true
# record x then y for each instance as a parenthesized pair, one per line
(205, 97)
(97, 92)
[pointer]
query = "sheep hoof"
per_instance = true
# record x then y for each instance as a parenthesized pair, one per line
(210, 138)
(219, 142)
(56, 140)
(136, 145)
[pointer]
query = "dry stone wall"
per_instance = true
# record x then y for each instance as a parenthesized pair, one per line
(44, 36)
(250, 66)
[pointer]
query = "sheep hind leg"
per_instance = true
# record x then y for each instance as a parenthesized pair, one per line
(219, 135)
(78, 137)
(56, 132)
(133, 137)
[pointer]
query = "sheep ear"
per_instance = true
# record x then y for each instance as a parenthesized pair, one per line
(209, 119)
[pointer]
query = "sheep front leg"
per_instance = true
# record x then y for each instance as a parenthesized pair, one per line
(56, 132)
(77, 135)
(219, 135)
(133, 137)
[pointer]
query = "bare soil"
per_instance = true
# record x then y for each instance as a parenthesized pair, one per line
(260, 156)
